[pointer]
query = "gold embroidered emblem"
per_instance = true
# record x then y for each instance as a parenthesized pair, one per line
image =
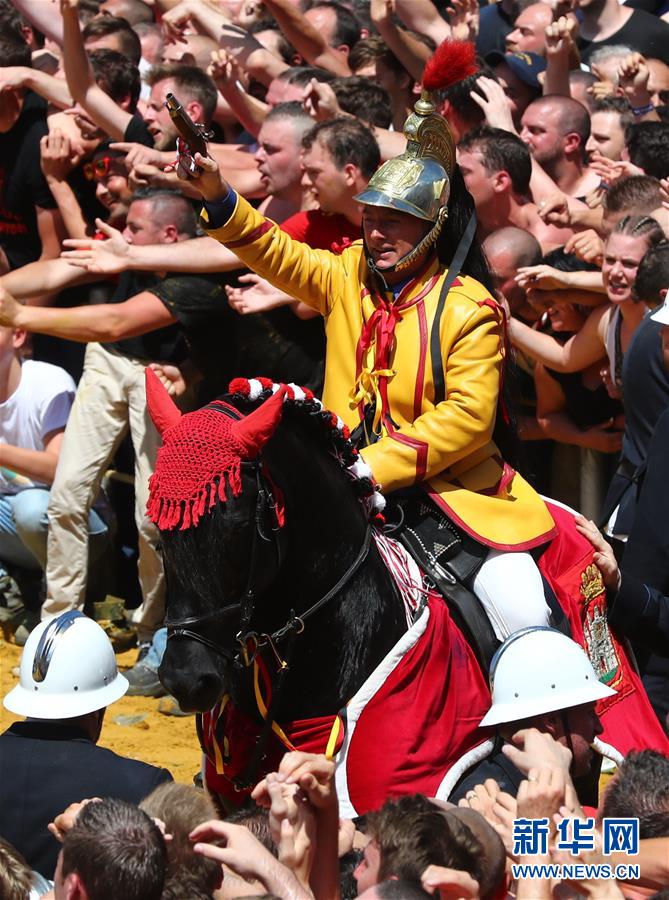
(592, 584)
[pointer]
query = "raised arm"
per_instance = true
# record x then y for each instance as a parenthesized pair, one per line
(422, 16)
(412, 53)
(81, 82)
(53, 89)
(316, 277)
(225, 72)
(42, 16)
(306, 39)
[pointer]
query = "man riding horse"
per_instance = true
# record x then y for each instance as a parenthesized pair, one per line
(415, 349)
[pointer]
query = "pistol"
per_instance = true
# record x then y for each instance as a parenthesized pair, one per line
(194, 134)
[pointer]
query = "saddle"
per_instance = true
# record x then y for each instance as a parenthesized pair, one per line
(451, 559)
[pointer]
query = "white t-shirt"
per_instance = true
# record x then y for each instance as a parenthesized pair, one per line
(40, 404)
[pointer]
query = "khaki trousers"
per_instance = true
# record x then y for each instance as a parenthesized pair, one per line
(111, 398)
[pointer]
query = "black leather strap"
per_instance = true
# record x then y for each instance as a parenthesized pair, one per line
(460, 255)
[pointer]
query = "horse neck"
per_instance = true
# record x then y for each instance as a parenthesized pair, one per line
(326, 529)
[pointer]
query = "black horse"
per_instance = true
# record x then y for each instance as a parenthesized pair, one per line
(236, 547)
(279, 605)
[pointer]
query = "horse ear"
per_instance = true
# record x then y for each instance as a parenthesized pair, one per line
(257, 428)
(162, 409)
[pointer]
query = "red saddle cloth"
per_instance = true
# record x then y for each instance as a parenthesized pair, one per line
(416, 717)
(628, 718)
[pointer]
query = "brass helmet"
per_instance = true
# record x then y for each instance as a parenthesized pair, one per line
(417, 181)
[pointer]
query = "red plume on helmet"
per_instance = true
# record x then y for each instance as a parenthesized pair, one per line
(162, 408)
(451, 62)
(257, 428)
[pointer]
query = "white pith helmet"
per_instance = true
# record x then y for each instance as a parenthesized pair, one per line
(68, 669)
(539, 670)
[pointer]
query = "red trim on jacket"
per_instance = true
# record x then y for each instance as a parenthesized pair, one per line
(421, 449)
(252, 236)
(420, 374)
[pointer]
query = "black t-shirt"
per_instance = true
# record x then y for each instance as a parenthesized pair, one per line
(22, 184)
(137, 132)
(642, 32)
(196, 303)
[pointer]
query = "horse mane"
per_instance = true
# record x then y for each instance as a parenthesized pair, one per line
(334, 434)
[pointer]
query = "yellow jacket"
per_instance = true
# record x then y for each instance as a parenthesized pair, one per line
(448, 445)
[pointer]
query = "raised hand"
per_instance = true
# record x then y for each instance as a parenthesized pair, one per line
(495, 104)
(542, 794)
(224, 68)
(554, 210)
(313, 772)
(559, 37)
(320, 101)
(57, 158)
(176, 21)
(464, 19)
(633, 75)
(202, 171)
(138, 154)
(108, 257)
(259, 296)
(293, 826)
(65, 820)
(482, 798)
(381, 12)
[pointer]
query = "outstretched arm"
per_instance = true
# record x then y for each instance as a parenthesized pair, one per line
(314, 276)
(101, 322)
(116, 255)
(42, 278)
(580, 351)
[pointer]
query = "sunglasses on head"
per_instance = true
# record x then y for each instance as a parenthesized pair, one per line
(101, 167)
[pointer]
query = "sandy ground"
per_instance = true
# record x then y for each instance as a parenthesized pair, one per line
(147, 735)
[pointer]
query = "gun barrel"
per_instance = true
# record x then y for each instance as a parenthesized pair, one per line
(172, 104)
(194, 135)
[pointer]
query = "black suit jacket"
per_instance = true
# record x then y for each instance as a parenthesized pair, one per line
(646, 559)
(45, 766)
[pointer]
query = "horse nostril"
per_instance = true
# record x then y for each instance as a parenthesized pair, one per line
(195, 693)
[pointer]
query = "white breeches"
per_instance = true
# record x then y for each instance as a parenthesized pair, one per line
(511, 591)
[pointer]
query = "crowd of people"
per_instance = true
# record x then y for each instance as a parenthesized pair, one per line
(544, 231)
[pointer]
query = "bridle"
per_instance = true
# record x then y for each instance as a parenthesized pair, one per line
(267, 555)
